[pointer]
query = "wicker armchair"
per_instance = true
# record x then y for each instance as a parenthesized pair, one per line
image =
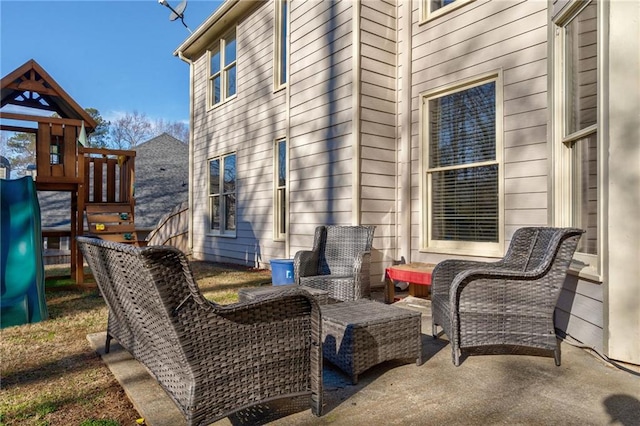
(339, 262)
(509, 302)
(212, 360)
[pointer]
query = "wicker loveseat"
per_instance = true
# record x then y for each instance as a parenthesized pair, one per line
(340, 262)
(509, 302)
(212, 360)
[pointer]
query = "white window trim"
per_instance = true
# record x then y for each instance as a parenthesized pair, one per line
(277, 51)
(220, 233)
(584, 265)
(460, 247)
(277, 235)
(220, 44)
(427, 15)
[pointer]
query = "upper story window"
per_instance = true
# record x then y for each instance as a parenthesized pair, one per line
(578, 145)
(222, 70)
(463, 203)
(281, 43)
(222, 194)
(433, 8)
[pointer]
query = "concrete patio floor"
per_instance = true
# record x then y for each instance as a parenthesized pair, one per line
(487, 389)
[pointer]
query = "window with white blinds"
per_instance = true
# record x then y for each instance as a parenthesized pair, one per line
(462, 170)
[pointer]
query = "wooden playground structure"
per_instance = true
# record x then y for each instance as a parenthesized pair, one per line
(100, 181)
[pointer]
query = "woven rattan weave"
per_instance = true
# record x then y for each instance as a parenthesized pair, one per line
(359, 334)
(339, 262)
(257, 293)
(509, 302)
(212, 360)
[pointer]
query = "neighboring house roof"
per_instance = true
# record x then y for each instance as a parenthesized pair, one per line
(162, 177)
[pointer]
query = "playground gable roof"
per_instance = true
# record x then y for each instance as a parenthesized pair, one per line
(31, 87)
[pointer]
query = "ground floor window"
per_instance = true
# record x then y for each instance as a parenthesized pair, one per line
(577, 144)
(222, 194)
(280, 190)
(462, 170)
(584, 188)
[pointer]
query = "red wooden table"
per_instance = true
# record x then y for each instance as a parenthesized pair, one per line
(417, 274)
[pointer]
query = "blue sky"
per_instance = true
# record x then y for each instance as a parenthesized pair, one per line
(115, 56)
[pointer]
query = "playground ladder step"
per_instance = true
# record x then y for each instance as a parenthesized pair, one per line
(112, 221)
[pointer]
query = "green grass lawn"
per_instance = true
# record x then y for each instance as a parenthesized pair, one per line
(49, 373)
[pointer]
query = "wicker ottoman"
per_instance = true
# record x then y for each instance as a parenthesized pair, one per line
(356, 335)
(257, 293)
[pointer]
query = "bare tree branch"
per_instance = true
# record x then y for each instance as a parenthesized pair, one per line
(132, 129)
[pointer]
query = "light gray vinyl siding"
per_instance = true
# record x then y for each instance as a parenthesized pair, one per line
(343, 114)
(510, 36)
(246, 125)
(579, 312)
(378, 115)
(483, 37)
(321, 118)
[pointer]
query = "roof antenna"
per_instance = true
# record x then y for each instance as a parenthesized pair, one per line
(176, 13)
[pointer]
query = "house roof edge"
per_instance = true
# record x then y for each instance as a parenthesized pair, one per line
(221, 19)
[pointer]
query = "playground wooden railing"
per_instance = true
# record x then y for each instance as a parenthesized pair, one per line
(109, 193)
(109, 175)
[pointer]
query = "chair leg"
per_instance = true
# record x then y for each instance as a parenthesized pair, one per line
(316, 406)
(456, 357)
(434, 330)
(107, 343)
(556, 353)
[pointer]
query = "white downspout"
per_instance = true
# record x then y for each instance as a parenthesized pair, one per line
(356, 210)
(405, 136)
(191, 142)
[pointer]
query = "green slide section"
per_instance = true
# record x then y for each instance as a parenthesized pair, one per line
(22, 271)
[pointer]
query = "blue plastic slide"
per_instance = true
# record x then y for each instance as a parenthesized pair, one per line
(22, 299)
